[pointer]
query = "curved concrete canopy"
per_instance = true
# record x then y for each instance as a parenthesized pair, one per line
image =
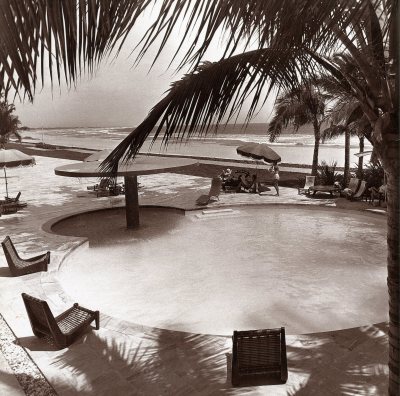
(139, 166)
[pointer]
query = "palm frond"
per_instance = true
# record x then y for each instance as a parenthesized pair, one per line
(9, 122)
(298, 107)
(347, 116)
(65, 36)
(213, 93)
(269, 23)
(333, 132)
(71, 36)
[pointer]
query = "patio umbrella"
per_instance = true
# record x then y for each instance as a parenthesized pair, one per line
(13, 159)
(259, 151)
(98, 156)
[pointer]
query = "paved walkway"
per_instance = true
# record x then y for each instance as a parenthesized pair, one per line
(129, 359)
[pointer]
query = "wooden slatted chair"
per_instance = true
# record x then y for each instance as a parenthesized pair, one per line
(64, 329)
(8, 208)
(104, 188)
(259, 357)
(213, 194)
(19, 266)
(309, 182)
(352, 188)
(15, 199)
(360, 194)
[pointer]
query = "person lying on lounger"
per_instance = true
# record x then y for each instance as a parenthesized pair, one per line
(247, 184)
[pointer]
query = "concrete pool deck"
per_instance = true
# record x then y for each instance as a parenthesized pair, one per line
(130, 359)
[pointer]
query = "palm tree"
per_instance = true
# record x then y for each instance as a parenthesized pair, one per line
(347, 119)
(294, 41)
(306, 105)
(9, 123)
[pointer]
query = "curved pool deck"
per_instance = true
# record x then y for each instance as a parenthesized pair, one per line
(212, 272)
(127, 358)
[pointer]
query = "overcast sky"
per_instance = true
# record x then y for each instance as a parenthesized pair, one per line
(117, 95)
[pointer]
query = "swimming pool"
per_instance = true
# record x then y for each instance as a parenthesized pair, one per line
(308, 269)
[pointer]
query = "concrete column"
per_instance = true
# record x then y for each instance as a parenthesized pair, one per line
(131, 202)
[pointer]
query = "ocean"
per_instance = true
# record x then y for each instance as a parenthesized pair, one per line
(294, 148)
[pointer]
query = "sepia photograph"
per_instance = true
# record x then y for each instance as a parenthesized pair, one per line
(199, 198)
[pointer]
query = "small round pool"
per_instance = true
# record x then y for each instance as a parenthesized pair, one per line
(308, 269)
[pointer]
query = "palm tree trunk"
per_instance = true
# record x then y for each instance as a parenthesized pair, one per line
(317, 138)
(361, 158)
(393, 265)
(346, 172)
(393, 281)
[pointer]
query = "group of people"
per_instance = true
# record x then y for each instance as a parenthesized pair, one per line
(245, 182)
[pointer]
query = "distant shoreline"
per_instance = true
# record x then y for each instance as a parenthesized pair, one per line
(258, 128)
(80, 153)
(211, 166)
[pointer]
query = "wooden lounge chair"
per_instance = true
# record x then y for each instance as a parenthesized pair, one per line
(92, 188)
(352, 187)
(117, 188)
(104, 188)
(8, 208)
(360, 194)
(19, 266)
(259, 357)
(16, 199)
(213, 195)
(12, 207)
(64, 329)
(309, 182)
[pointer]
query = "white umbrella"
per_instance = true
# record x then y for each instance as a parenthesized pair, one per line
(13, 159)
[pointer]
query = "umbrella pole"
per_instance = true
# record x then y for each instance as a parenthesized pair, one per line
(5, 176)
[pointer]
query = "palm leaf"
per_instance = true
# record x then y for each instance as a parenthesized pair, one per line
(211, 94)
(269, 23)
(299, 106)
(67, 35)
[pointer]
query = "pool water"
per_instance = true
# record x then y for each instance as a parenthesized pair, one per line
(308, 269)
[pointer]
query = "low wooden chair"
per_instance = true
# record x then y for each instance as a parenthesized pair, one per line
(104, 188)
(259, 357)
(15, 199)
(64, 329)
(19, 266)
(8, 208)
(352, 187)
(213, 194)
(12, 207)
(360, 194)
(309, 182)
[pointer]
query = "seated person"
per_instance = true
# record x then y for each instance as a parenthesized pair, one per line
(337, 185)
(228, 179)
(247, 184)
(226, 174)
(347, 192)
